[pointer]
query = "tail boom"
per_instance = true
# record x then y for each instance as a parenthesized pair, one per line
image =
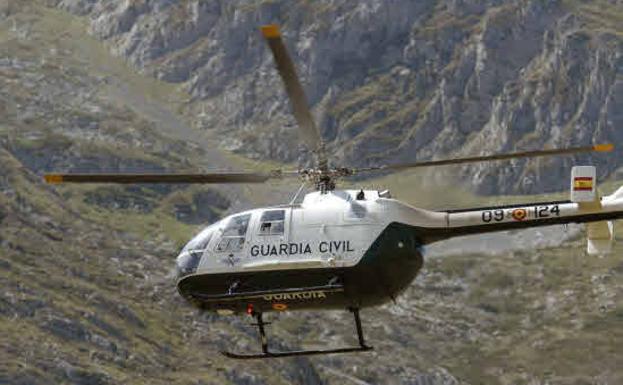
(585, 206)
(481, 220)
(532, 215)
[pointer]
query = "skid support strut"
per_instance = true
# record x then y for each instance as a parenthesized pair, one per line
(266, 353)
(362, 341)
(263, 339)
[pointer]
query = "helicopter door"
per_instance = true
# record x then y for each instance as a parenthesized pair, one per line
(271, 231)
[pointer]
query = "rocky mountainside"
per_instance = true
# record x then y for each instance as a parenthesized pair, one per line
(391, 80)
(86, 286)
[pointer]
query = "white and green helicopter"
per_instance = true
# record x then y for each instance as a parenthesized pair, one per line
(343, 249)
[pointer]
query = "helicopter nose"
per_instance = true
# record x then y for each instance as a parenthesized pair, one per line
(186, 263)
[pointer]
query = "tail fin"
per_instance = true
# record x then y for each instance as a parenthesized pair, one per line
(583, 186)
(599, 235)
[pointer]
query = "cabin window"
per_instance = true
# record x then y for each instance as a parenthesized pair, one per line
(234, 233)
(271, 222)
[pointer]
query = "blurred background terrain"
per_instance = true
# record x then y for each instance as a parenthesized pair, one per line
(86, 272)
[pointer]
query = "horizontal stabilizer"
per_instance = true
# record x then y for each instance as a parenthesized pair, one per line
(616, 195)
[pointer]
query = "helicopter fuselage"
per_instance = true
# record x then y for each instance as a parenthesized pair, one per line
(348, 249)
(331, 251)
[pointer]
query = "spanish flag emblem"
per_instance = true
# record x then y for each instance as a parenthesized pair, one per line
(583, 184)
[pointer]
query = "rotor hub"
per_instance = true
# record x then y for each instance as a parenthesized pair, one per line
(324, 180)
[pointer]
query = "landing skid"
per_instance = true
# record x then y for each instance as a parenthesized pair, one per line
(295, 353)
(268, 354)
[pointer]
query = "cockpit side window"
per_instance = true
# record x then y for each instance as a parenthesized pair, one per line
(272, 222)
(234, 233)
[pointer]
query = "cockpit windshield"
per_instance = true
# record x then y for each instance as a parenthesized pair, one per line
(188, 260)
(201, 240)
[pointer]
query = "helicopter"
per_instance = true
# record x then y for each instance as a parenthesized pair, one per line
(343, 249)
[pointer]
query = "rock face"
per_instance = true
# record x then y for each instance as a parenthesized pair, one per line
(392, 80)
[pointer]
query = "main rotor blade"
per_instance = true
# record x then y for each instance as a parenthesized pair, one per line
(161, 178)
(489, 158)
(295, 92)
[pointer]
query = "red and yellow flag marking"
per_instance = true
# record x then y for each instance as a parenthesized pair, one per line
(583, 184)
